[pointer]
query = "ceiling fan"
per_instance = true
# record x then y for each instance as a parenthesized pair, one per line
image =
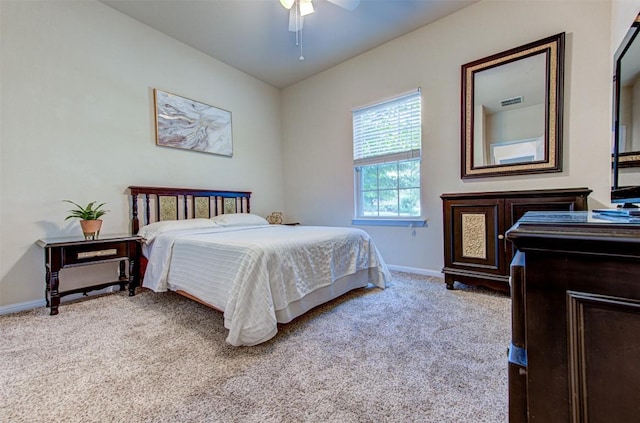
(298, 9)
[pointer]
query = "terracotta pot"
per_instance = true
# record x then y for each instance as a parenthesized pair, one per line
(91, 228)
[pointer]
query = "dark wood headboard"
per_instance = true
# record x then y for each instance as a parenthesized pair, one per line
(160, 203)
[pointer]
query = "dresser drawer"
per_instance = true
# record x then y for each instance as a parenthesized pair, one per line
(81, 254)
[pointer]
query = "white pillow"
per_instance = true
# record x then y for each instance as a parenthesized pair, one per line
(239, 219)
(152, 230)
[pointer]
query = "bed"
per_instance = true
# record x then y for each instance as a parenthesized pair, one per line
(208, 246)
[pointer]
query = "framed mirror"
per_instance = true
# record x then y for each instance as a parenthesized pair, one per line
(512, 111)
(626, 110)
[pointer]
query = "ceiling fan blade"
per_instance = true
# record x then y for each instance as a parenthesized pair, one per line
(305, 7)
(296, 22)
(287, 4)
(346, 4)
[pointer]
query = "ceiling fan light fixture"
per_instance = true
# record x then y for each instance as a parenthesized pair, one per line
(296, 22)
(306, 7)
(287, 4)
(298, 9)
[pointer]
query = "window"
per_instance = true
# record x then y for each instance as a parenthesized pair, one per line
(387, 142)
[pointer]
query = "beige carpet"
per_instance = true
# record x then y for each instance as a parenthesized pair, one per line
(414, 352)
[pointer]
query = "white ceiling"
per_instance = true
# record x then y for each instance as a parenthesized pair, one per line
(253, 36)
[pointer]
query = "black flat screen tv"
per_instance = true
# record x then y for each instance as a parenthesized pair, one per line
(627, 68)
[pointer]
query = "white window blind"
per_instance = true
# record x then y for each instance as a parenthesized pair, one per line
(387, 142)
(388, 131)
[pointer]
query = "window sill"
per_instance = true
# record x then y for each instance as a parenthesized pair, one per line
(411, 222)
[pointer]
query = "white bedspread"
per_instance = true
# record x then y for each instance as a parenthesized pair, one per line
(250, 272)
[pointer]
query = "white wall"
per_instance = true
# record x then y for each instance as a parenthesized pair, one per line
(516, 124)
(634, 137)
(623, 13)
(626, 118)
(77, 123)
(317, 119)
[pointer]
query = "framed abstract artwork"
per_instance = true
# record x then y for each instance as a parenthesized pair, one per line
(191, 125)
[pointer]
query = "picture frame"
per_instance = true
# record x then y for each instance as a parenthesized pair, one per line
(192, 125)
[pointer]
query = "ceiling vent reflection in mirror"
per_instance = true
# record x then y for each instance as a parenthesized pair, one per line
(511, 101)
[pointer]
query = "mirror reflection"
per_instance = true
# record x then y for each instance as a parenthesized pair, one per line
(509, 113)
(627, 76)
(512, 111)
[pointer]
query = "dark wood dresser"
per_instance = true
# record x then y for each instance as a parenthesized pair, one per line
(575, 350)
(475, 249)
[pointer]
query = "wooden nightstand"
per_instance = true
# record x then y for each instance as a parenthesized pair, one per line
(60, 253)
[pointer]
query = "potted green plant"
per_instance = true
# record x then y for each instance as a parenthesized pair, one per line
(89, 216)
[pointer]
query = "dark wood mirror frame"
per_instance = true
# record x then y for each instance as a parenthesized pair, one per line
(553, 50)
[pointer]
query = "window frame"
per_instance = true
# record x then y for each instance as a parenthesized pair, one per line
(411, 153)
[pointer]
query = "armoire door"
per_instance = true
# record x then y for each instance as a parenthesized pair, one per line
(476, 237)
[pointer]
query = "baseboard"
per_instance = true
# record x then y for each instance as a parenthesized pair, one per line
(416, 270)
(30, 305)
(27, 305)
